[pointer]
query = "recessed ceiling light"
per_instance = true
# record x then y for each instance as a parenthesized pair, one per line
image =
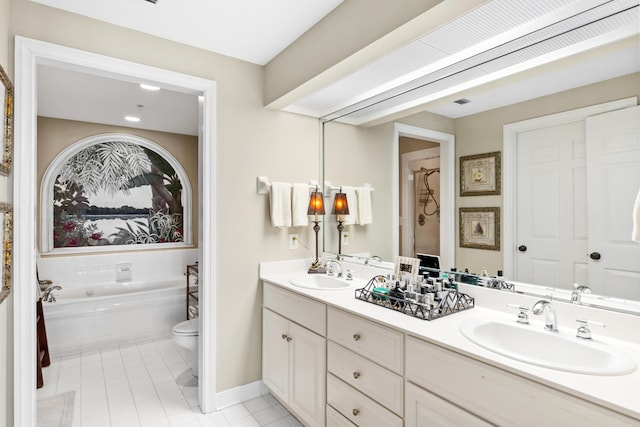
(149, 87)
(132, 118)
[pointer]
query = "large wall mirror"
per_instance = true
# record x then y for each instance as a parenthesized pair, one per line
(360, 146)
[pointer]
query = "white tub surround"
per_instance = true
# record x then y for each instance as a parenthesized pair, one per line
(91, 317)
(442, 366)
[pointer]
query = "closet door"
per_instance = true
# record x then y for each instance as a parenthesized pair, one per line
(551, 206)
(613, 180)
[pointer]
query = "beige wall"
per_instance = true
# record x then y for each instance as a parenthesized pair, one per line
(6, 308)
(355, 155)
(54, 135)
(251, 141)
(482, 133)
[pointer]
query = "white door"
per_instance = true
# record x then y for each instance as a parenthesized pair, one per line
(551, 234)
(576, 187)
(613, 179)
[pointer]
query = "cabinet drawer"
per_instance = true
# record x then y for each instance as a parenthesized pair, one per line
(498, 396)
(304, 311)
(336, 419)
(376, 342)
(381, 385)
(424, 409)
(357, 407)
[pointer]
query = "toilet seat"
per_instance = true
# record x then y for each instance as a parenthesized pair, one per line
(186, 328)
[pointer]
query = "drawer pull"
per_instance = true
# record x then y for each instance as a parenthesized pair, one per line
(356, 337)
(356, 374)
(288, 339)
(355, 412)
(284, 336)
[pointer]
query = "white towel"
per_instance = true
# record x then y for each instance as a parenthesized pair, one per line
(300, 205)
(352, 202)
(635, 234)
(280, 204)
(365, 213)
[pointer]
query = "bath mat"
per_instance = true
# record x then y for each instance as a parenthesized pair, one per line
(56, 411)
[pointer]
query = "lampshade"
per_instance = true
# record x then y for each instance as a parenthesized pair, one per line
(340, 205)
(316, 203)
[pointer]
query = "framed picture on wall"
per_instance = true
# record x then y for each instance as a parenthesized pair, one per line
(480, 174)
(6, 127)
(480, 228)
(6, 213)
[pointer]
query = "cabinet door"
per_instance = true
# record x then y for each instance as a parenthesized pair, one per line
(275, 354)
(423, 409)
(308, 370)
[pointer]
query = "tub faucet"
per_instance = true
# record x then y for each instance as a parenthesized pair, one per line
(47, 295)
(545, 306)
(330, 267)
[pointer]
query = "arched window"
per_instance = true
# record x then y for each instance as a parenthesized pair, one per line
(114, 190)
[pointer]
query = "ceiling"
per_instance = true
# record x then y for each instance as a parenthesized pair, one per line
(251, 30)
(504, 51)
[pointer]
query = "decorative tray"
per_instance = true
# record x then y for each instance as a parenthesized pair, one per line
(451, 302)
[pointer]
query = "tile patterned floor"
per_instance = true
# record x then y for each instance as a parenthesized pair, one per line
(146, 384)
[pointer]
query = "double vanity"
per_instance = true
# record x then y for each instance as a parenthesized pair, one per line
(334, 360)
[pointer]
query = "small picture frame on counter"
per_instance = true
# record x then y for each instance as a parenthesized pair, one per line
(406, 266)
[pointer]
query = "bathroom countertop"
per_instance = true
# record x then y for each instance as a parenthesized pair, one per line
(619, 393)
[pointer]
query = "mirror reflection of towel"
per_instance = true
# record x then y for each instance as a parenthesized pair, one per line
(280, 198)
(352, 202)
(635, 234)
(365, 212)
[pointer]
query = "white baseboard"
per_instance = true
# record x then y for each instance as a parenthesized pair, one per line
(240, 394)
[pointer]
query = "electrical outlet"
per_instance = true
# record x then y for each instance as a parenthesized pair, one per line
(293, 241)
(345, 239)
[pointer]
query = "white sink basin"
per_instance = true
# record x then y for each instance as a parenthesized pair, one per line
(555, 350)
(322, 281)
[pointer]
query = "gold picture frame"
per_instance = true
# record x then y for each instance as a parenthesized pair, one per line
(480, 228)
(480, 174)
(7, 123)
(6, 211)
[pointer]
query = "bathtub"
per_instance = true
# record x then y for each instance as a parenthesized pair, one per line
(91, 317)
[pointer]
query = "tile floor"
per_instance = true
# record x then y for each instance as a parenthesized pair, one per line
(146, 384)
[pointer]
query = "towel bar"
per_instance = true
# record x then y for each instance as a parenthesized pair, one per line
(263, 184)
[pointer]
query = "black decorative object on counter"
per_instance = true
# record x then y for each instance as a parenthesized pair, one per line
(451, 301)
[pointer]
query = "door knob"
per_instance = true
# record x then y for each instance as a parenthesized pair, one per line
(595, 255)
(522, 248)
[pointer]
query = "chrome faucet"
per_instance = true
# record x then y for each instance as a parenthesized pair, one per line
(578, 290)
(329, 267)
(372, 258)
(545, 306)
(47, 295)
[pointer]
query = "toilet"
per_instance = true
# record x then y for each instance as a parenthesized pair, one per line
(185, 335)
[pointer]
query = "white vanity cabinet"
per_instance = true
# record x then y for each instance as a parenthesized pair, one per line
(365, 370)
(294, 353)
(424, 409)
(491, 394)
